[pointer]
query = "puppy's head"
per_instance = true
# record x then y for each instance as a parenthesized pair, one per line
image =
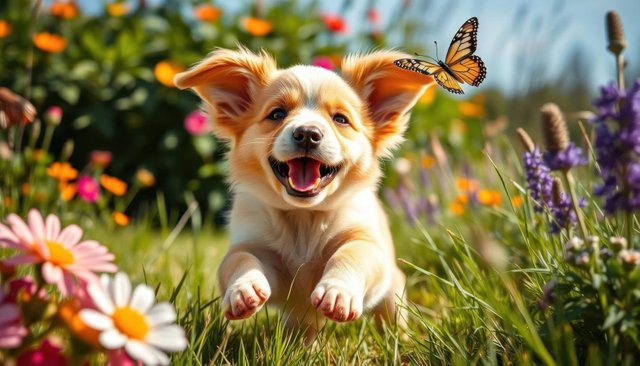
(305, 136)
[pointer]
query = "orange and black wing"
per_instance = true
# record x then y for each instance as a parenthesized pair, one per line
(421, 66)
(464, 43)
(470, 69)
(445, 80)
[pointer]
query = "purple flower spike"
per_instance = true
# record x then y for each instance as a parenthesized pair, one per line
(565, 159)
(538, 179)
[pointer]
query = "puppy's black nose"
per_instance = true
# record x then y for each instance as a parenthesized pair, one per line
(307, 137)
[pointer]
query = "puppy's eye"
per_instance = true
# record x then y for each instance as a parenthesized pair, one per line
(277, 114)
(340, 119)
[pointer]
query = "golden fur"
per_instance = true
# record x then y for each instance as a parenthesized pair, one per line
(326, 256)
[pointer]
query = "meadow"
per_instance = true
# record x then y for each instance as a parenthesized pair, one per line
(516, 250)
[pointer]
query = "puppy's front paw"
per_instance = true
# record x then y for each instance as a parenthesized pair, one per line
(245, 296)
(337, 302)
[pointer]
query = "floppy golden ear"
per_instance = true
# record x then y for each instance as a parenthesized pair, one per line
(227, 80)
(388, 91)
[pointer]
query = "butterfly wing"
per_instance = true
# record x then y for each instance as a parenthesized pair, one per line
(442, 77)
(470, 69)
(421, 66)
(445, 80)
(464, 43)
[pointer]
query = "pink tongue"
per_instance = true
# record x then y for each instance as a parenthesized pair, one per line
(303, 174)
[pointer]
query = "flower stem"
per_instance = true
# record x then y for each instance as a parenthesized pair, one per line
(620, 70)
(576, 206)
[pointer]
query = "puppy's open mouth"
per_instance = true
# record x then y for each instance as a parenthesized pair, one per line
(303, 177)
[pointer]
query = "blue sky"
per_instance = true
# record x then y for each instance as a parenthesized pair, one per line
(513, 34)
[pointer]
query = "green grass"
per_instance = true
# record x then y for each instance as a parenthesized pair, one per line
(465, 307)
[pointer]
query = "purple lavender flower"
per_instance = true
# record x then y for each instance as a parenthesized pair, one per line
(539, 180)
(564, 159)
(563, 214)
(617, 147)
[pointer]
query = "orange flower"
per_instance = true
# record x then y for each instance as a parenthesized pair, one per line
(489, 197)
(120, 219)
(67, 191)
(26, 188)
(68, 312)
(113, 185)
(49, 42)
(5, 28)
(471, 109)
(63, 172)
(427, 161)
(517, 201)
(428, 96)
(64, 10)
(165, 71)
(117, 9)
(38, 154)
(257, 27)
(145, 177)
(467, 184)
(457, 208)
(207, 13)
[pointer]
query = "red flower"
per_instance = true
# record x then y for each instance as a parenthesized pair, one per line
(334, 23)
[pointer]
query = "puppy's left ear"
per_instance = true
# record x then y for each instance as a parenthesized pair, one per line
(388, 91)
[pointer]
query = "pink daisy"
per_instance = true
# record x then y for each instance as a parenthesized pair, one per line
(11, 331)
(62, 255)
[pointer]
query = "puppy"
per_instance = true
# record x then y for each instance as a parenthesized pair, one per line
(307, 230)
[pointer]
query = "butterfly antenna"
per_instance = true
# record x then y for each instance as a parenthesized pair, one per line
(436, 43)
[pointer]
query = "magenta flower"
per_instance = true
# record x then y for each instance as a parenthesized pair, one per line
(120, 358)
(323, 61)
(64, 258)
(88, 189)
(53, 115)
(48, 353)
(100, 158)
(11, 331)
(196, 122)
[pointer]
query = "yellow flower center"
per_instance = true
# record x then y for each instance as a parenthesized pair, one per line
(130, 323)
(58, 254)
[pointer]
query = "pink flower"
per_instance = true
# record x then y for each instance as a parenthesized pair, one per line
(88, 189)
(373, 16)
(100, 158)
(120, 358)
(63, 256)
(49, 354)
(196, 122)
(53, 115)
(323, 61)
(11, 331)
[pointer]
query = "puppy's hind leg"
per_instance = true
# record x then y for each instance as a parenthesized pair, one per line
(248, 277)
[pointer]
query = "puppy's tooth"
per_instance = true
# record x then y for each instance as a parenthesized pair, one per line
(291, 182)
(316, 184)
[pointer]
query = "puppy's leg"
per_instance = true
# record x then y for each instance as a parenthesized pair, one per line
(356, 270)
(248, 276)
(386, 310)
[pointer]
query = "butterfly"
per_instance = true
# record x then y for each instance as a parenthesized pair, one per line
(460, 65)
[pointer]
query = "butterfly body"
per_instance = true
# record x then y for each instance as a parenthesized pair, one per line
(459, 66)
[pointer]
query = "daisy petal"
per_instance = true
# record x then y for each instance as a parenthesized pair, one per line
(52, 227)
(143, 352)
(161, 313)
(142, 298)
(51, 273)
(36, 223)
(95, 319)
(112, 339)
(7, 237)
(70, 236)
(9, 313)
(21, 230)
(101, 298)
(121, 289)
(20, 259)
(168, 338)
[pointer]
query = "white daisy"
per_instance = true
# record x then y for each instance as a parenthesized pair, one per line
(133, 321)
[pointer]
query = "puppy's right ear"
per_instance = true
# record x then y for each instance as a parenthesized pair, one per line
(227, 81)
